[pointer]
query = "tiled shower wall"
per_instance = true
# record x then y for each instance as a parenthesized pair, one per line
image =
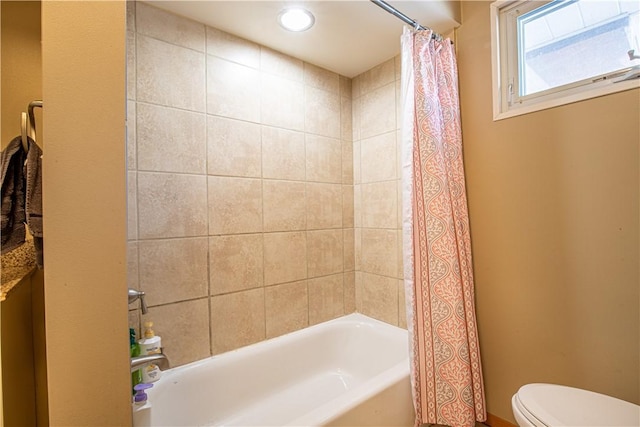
(242, 164)
(377, 195)
(240, 174)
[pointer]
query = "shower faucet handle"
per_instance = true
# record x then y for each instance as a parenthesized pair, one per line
(134, 295)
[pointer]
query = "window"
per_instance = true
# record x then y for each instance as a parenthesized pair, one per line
(550, 53)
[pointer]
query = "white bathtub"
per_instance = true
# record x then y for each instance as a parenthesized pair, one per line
(351, 371)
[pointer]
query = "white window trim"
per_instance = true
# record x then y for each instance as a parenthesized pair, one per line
(502, 111)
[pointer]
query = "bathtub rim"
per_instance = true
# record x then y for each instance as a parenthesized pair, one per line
(358, 318)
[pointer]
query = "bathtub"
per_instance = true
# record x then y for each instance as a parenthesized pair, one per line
(351, 371)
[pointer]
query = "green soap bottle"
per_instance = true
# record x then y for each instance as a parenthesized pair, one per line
(136, 376)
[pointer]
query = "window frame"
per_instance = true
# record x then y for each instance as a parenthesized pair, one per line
(504, 69)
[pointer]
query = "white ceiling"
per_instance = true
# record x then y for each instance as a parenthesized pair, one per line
(349, 37)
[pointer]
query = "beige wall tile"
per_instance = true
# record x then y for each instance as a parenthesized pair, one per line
(346, 89)
(347, 206)
(349, 238)
(356, 83)
(379, 298)
(131, 63)
(131, 15)
(400, 274)
(132, 267)
(378, 111)
(379, 251)
(320, 78)
(379, 204)
(235, 205)
(378, 158)
(169, 75)
(171, 140)
(378, 76)
(233, 147)
(322, 112)
(346, 118)
(282, 102)
(357, 205)
(281, 65)
(232, 90)
(357, 258)
(398, 66)
(284, 205)
(324, 206)
(325, 252)
(347, 162)
(402, 307)
(171, 205)
(236, 263)
(326, 298)
(400, 207)
(173, 270)
(286, 308)
(283, 155)
(184, 329)
(398, 105)
(237, 320)
(131, 136)
(357, 165)
(399, 154)
(132, 205)
(232, 48)
(349, 292)
(356, 109)
(169, 27)
(358, 290)
(285, 257)
(323, 159)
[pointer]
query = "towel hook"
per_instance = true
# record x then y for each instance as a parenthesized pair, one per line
(24, 131)
(32, 118)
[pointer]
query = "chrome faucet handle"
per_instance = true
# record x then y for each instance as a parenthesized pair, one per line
(134, 295)
(159, 358)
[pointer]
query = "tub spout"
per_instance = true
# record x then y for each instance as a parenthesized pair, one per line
(159, 359)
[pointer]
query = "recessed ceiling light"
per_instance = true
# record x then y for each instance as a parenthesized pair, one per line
(296, 19)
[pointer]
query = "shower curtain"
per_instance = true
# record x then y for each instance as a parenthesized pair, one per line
(446, 374)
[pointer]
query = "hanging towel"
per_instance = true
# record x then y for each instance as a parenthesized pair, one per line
(12, 193)
(21, 196)
(33, 204)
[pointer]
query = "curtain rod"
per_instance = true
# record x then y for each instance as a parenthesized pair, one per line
(395, 12)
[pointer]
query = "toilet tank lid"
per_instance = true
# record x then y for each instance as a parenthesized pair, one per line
(557, 405)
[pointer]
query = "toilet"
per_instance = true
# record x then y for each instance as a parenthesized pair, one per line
(550, 405)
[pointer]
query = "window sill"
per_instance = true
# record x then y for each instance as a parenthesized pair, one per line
(610, 88)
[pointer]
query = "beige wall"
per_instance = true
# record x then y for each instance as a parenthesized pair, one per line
(377, 196)
(240, 187)
(553, 201)
(21, 65)
(83, 60)
(24, 362)
(18, 377)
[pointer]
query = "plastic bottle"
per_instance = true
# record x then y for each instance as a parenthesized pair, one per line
(151, 344)
(141, 397)
(136, 376)
(141, 406)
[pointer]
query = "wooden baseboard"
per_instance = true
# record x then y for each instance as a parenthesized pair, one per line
(494, 421)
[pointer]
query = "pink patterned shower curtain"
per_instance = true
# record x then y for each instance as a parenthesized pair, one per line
(446, 373)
